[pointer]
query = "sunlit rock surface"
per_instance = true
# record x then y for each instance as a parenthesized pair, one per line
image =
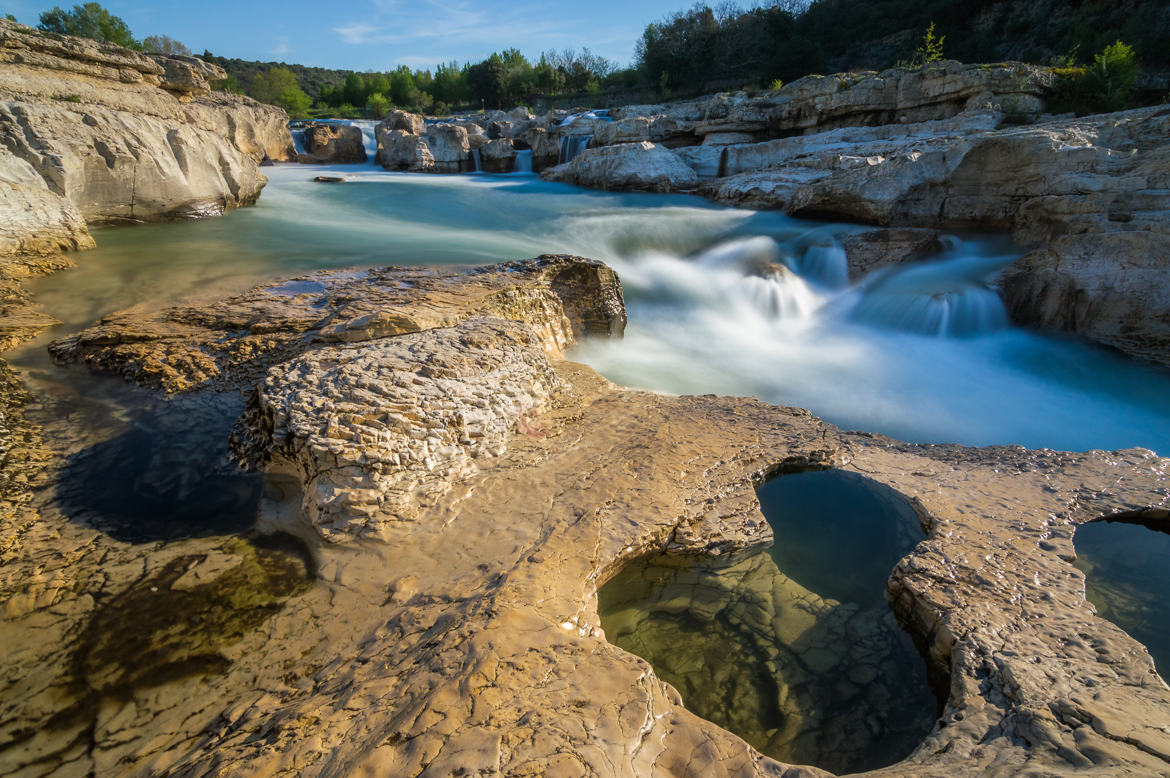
(466, 637)
(333, 144)
(641, 165)
(115, 135)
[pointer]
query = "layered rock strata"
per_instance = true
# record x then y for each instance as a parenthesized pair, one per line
(461, 634)
(91, 132)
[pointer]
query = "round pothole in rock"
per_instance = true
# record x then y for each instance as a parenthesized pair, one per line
(793, 648)
(1128, 580)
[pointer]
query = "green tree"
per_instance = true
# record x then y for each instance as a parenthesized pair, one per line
(164, 44)
(378, 105)
(354, 91)
(229, 84)
(930, 50)
(88, 21)
(488, 81)
(279, 86)
(1111, 78)
(10, 17)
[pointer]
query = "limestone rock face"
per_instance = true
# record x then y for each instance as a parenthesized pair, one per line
(187, 76)
(400, 150)
(1109, 286)
(483, 377)
(405, 142)
(398, 119)
(449, 147)
(819, 103)
(637, 166)
(35, 219)
(545, 148)
(634, 129)
(466, 621)
(499, 156)
(334, 144)
(115, 135)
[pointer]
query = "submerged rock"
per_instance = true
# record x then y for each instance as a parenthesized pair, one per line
(873, 249)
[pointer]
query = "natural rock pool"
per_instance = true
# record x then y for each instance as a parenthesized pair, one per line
(1128, 579)
(793, 648)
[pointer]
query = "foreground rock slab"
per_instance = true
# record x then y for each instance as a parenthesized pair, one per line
(456, 631)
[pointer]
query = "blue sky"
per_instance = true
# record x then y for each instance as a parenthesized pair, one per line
(381, 34)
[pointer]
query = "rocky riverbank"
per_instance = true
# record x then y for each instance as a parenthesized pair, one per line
(461, 492)
(950, 146)
(92, 133)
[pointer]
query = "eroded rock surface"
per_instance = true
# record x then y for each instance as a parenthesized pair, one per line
(233, 341)
(116, 135)
(333, 144)
(466, 637)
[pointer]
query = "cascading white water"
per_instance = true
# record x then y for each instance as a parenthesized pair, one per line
(948, 298)
(824, 264)
(369, 138)
(720, 300)
(571, 146)
(298, 136)
(477, 160)
(523, 162)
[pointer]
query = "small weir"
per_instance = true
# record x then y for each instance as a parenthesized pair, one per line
(793, 648)
(1127, 577)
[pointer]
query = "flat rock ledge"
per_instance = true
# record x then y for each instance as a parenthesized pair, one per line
(456, 631)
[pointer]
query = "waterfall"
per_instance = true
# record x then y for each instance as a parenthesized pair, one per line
(571, 146)
(523, 161)
(826, 265)
(369, 136)
(947, 298)
(298, 136)
(478, 160)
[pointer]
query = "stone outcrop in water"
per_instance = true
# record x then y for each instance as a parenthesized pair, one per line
(405, 142)
(940, 148)
(639, 166)
(94, 132)
(333, 144)
(232, 342)
(459, 630)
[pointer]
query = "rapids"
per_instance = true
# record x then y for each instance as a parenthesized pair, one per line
(921, 352)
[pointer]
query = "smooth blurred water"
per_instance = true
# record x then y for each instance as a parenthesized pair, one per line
(720, 300)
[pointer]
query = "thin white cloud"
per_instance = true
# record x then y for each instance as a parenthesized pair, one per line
(281, 48)
(358, 33)
(458, 24)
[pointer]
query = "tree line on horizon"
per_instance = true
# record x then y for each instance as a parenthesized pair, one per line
(696, 51)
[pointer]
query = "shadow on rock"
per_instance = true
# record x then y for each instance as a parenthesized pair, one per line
(166, 477)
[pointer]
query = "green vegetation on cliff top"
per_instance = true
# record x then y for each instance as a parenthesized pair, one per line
(706, 49)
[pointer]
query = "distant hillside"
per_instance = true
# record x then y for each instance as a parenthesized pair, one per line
(312, 80)
(712, 46)
(874, 33)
